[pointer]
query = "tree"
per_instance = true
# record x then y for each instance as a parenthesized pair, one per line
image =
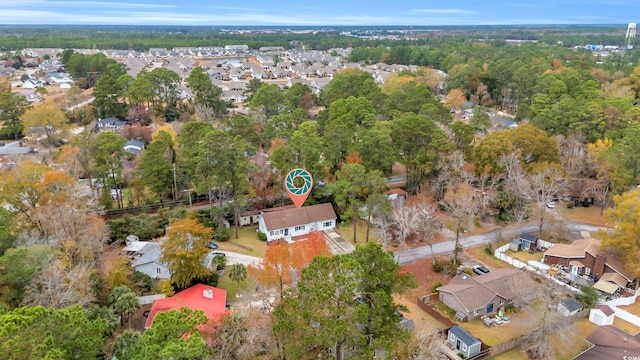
(603, 160)
(420, 143)
(108, 162)
(462, 204)
(156, 171)
(7, 230)
(455, 98)
(47, 333)
(238, 273)
(12, 107)
(352, 188)
(344, 305)
(18, 267)
(623, 238)
(173, 335)
(108, 92)
(124, 302)
(546, 183)
(269, 97)
(60, 285)
(125, 341)
(184, 250)
(276, 267)
(206, 93)
(47, 118)
(480, 119)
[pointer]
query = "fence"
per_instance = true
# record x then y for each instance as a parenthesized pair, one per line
(499, 253)
(522, 339)
(423, 303)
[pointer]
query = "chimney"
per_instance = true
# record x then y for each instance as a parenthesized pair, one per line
(208, 293)
(598, 267)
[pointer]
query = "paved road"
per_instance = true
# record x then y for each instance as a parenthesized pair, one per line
(405, 257)
(236, 258)
(87, 102)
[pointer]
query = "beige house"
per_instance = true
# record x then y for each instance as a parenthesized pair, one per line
(476, 296)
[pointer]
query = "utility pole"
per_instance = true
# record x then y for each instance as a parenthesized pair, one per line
(175, 184)
(189, 191)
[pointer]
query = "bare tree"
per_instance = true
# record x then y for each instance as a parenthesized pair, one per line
(462, 204)
(516, 185)
(546, 184)
(60, 286)
(426, 224)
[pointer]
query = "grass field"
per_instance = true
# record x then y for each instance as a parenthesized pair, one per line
(573, 343)
(589, 214)
(513, 354)
(247, 242)
(491, 261)
(346, 230)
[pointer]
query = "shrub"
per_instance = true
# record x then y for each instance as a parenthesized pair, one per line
(445, 267)
(262, 236)
(221, 262)
(435, 286)
(569, 204)
(588, 296)
(221, 233)
(488, 249)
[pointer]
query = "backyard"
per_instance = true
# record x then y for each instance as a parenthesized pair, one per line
(247, 242)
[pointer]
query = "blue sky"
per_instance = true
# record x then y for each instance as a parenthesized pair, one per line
(318, 12)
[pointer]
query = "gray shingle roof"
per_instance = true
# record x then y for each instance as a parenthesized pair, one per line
(463, 335)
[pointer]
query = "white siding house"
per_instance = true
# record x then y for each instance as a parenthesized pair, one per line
(149, 263)
(292, 222)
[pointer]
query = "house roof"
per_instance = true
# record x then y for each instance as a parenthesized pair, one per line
(571, 304)
(611, 336)
(529, 237)
(605, 286)
(209, 299)
(606, 310)
(516, 242)
(150, 253)
(476, 292)
(298, 216)
(615, 278)
(464, 335)
(135, 246)
(576, 249)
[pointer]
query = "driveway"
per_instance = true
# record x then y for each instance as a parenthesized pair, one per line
(236, 258)
(405, 257)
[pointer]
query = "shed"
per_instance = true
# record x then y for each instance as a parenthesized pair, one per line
(529, 242)
(569, 306)
(602, 315)
(515, 245)
(461, 340)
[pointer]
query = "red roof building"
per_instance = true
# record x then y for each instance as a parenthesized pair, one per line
(209, 299)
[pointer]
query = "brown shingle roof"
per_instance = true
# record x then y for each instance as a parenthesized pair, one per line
(615, 278)
(476, 292)
(605, 309)
(298, 216)
(576, 249)
(611, 336)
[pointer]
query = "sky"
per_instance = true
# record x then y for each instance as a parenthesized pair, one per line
(318, 12)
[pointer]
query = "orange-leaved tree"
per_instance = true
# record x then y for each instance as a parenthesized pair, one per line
(276, 267)
(305, 250)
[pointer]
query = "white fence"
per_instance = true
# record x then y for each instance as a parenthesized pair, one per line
(149, 299)
(613, 304)
(499, 253)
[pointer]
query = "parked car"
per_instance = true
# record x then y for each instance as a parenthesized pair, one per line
(213, 246)
(551, 205)
(480, 270)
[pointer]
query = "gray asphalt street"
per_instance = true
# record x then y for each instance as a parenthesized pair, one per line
(405, 257)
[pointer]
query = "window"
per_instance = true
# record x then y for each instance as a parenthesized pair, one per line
(464, 347)
(587, 271)
(490, 308)
(327, 224)
(273, 233)
(158, 271)
(299, 227)
(451, 337)
(501, 301)
(476, 312)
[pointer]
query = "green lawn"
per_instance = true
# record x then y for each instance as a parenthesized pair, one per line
(247, 242)
(524, 256)
(231, 286)
(346, 230)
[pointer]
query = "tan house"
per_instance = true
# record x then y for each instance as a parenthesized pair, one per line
(584, 257)
(476, 296)
(288, 223)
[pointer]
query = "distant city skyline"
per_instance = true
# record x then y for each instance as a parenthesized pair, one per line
(328, 12)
